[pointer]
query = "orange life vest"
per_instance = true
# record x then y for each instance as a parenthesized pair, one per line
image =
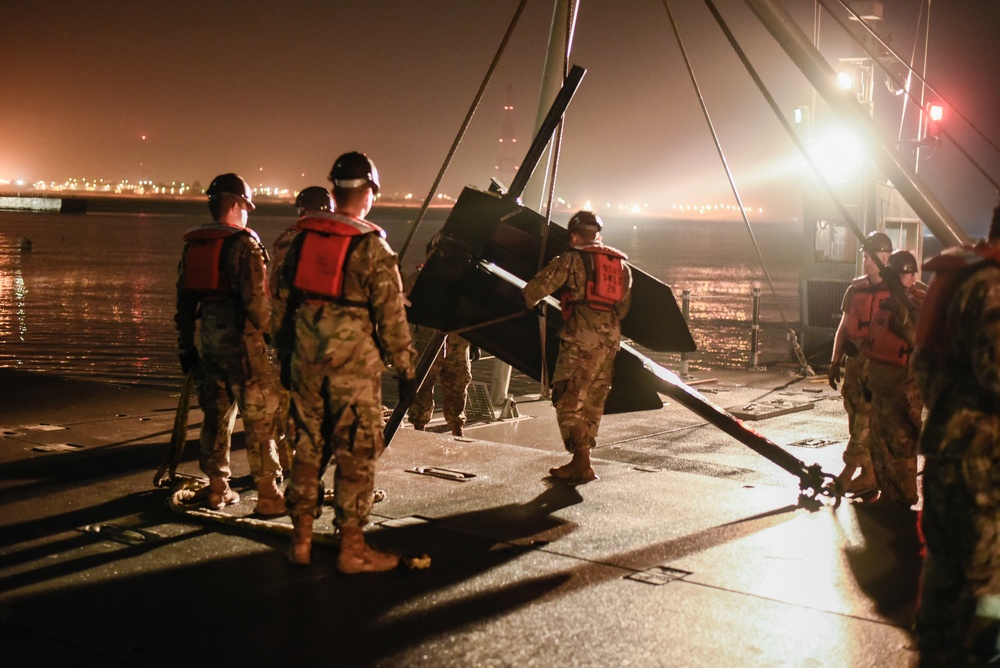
(883, 343)
(203, 259)
(861, 309)
(605, 280)
(324, 245)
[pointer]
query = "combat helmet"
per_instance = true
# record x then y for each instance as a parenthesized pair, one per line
(314, 198)
(903, 262)
(231, 184)
(354, 170)
(877, 242)
(585, 220)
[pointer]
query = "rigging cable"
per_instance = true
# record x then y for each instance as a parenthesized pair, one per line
(924, 83)
(830, 191)
(792, 337)
(462, 130)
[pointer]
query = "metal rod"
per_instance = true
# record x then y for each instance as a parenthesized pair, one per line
(815, 68)
(545, 130)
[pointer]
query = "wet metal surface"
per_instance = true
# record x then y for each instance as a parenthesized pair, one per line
(95, 571)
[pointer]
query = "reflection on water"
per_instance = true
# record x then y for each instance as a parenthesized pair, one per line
(94, 297)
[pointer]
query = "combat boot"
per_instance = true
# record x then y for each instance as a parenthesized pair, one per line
(456, 429)
(864, 484)
(356, 556)
(220, 494)
(578, 471)
(300, 550)
(270, 500)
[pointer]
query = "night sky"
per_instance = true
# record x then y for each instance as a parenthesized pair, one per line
(275, 91)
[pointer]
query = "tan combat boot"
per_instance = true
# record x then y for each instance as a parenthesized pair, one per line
(220, 494)
(578, 471)
(864, 484)
(300, 550)
(356, 556)
(270, 500)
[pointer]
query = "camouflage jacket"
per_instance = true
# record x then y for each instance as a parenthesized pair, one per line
(586, 326)
(246, 312)
(957, 362)
(353, 339)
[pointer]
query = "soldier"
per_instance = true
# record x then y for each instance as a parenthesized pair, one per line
(895, 404)
(957, 364)
(858, 309)
(453, 366)
(222, 280)
(595, 284)
(310, 201)
(340, 283)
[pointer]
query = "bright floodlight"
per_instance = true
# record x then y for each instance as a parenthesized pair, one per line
(838, 157)
(936, 112)
(845, 80)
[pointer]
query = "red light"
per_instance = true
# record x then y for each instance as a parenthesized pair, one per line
(936, 112)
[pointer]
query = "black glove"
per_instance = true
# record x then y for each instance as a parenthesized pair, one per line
(407, 390)
(189, 359)
(285, 375)
(833, 375)
(474, 353)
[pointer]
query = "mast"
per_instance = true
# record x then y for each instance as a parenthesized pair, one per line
(819, 73)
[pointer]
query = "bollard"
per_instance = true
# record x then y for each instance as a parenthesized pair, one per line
(754, 328)
(686, 311)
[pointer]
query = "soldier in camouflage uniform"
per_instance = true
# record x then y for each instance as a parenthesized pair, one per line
(895, 404)
(453, 366)
(957, 363)
(341, 308)
(858, 309)
(595, 285)
(311, 200)
(222, 281)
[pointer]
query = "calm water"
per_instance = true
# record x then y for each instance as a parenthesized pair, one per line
(94, 298)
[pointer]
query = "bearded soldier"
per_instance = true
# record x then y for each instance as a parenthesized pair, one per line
(594, 284)
(222, 281)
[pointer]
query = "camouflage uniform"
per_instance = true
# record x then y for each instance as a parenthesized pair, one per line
(589, 341)
(857, 396)
(957, 365)
(235, 369)
(283, 424)
(340, 352)
(894, 427)
(454, 368)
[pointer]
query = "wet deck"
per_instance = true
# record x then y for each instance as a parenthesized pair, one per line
(691, 550)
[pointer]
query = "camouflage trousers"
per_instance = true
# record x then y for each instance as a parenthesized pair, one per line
(894, 432)
(338, 419)
(857, 404)
(580, 385)
(455, 373)
(224, 387)
(960, 523)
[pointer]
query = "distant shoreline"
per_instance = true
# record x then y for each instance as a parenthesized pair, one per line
(103, 202)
